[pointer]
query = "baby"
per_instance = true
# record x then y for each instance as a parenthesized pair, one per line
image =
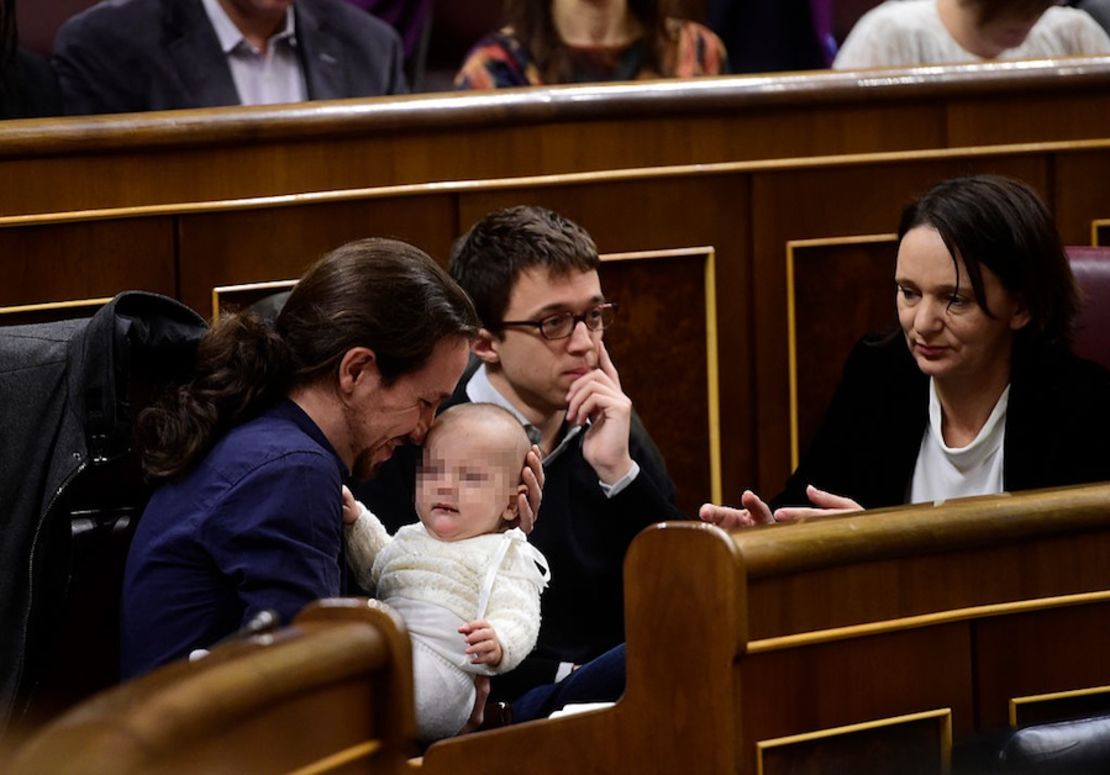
(464, 579)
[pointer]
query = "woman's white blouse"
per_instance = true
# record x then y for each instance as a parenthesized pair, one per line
(944, 472)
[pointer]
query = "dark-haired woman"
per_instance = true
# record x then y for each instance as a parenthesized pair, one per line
(28, 88)
(980, 393)
(903, 33)
(581, 41)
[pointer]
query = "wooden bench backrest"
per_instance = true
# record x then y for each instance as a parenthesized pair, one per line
(332, 693)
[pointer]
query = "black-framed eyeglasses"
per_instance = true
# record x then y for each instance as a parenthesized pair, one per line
(562, 325)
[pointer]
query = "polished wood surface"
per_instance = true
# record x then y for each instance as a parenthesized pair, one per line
(915, 743)
(212, 154)
(847, 280)
(332, 693)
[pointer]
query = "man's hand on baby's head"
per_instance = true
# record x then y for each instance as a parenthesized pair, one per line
(481, 643)
(530, 490)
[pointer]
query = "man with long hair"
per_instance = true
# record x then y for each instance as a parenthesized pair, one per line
(253, 452)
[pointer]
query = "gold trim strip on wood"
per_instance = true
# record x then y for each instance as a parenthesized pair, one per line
(832, 634)
(792, 323)
(269, 285)
(711, 363)
(712, 378)
(52, 305)
(944, 715)
(1032, 699)
(1095, 226)
(338, 759)
(558, 179)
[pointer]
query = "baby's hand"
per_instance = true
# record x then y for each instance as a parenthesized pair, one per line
(351, 507)
(482, 643)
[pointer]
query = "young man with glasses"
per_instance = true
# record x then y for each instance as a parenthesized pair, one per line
(532, 275)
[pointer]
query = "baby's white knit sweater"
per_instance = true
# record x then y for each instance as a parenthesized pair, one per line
(412, 564)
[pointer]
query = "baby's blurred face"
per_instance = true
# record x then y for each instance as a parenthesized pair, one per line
(467, 481)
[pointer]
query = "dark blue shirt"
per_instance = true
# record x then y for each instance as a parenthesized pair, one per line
(254, 525)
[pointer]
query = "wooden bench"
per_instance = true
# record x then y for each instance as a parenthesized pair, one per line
(861, 643)
(331, 693)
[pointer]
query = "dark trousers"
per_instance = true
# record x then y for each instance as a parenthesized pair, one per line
(600, 680)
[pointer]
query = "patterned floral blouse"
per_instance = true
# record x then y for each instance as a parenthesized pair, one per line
(499, 60)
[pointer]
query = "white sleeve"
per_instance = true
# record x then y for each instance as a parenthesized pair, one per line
(514, 609)
(365, 538)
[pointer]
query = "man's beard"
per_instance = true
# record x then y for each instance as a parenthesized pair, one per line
(365, 467)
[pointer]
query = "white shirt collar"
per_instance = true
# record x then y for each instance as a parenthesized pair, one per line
(231, 37)
(480, 390)
(986, 441)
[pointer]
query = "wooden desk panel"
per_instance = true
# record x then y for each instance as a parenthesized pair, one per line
(659, 325)
(225, 248)
(1048, 116)
(796, 690)
(848, 280)
(1081, 194)
(218, 153)
(64, 261)
(1063, 649)
(907, 586)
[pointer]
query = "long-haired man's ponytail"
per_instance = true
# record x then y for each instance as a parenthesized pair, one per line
(242, 366)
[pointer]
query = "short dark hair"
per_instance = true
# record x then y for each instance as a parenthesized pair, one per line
(999, 223)
(488, 260)
(377, 293)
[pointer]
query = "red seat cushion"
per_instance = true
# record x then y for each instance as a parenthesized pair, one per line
(1091, 266)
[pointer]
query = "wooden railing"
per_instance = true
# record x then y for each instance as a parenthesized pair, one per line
(863, 643)
(870, 642)
(206, 155)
